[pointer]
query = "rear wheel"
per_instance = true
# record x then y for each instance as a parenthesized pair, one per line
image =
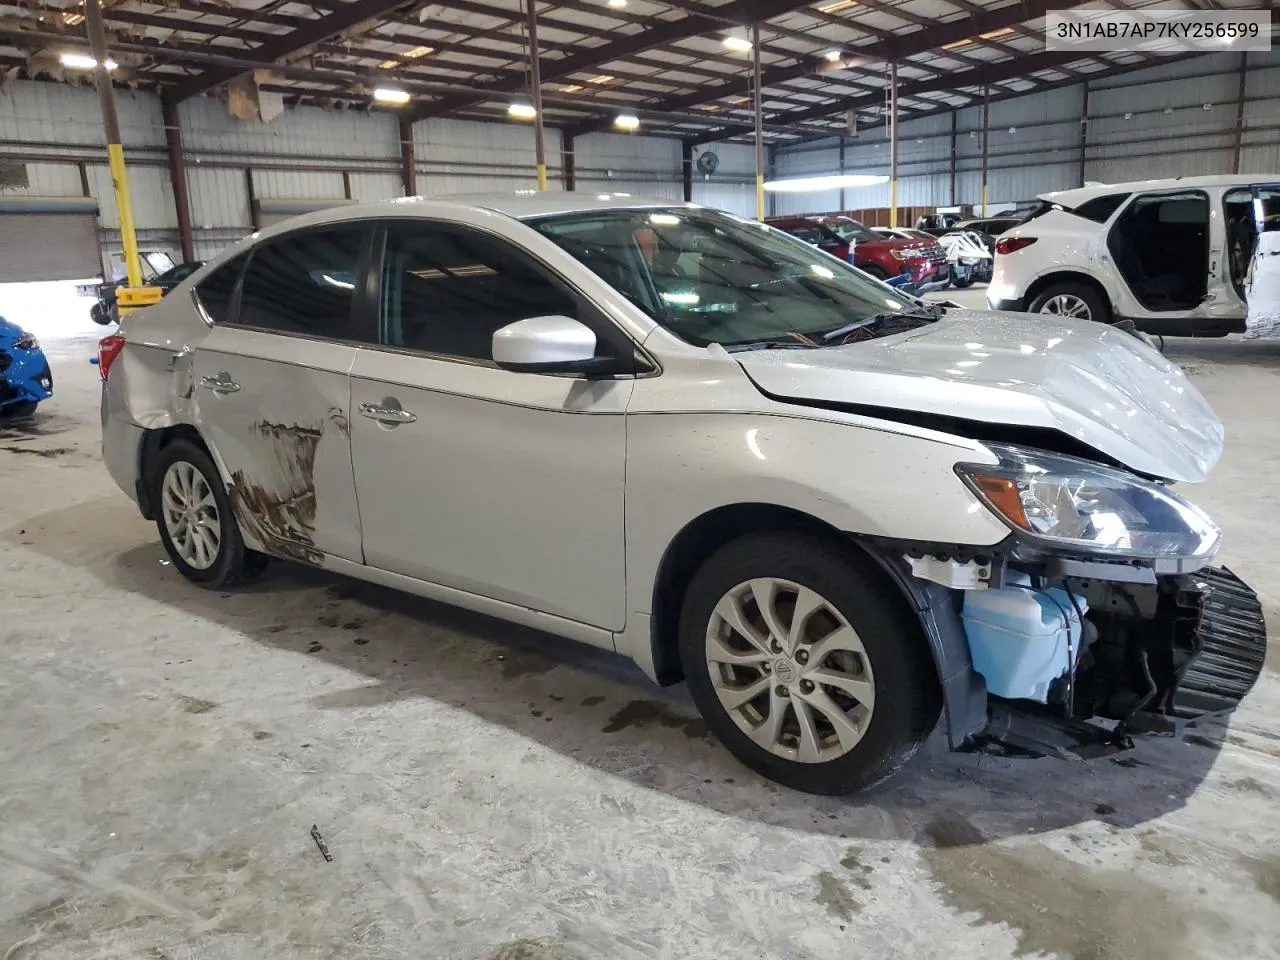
(874, 271)
(20, 411)
(961, 284)
(808, 667)
(1072, 301)
(195, 519)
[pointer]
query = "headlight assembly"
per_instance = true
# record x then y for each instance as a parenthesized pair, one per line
(26, 341)
(1080, 506)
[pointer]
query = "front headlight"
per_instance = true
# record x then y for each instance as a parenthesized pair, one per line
(26, 341)
(1084, 506)
(904, 254)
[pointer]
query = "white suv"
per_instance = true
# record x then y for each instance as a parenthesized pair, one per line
(1170, 255)
(737, 460)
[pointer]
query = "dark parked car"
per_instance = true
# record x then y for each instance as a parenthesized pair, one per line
(104, 310)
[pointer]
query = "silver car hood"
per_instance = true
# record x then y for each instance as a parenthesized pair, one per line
(1102, 386)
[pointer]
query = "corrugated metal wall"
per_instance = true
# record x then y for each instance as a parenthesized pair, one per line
(1033, 148)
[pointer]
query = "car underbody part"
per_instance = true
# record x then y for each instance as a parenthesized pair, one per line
(950, 572)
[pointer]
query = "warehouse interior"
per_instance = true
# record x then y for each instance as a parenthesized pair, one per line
(308, 765)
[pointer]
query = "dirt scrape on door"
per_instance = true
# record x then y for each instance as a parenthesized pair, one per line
(280, 512)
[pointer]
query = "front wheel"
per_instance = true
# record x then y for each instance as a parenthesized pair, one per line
(196, 522)
(874, 272)
(807, 665)
(961, 284)
(1072, 301)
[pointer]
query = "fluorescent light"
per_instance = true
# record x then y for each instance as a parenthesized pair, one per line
(73, 19)
(664, 220)
(838, 6)
(737, 43)
(617, 4)
(626, 121)
(417, 52)
(521, 111)
(390, 95)
(572, 88)
(388, 64)
(833, 56)
(832, 181)
(958, 44)
(603, 78)
(997, 34)
(83, 61)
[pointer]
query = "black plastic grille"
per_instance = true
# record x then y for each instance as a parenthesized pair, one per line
(5, 360)
(1233, 647)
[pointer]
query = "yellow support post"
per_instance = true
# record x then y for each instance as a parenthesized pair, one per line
(135, 295)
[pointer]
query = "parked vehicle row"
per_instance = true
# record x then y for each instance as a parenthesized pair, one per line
(836, 512)
(923, 261)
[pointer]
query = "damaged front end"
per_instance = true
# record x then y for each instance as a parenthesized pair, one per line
(1098, 618)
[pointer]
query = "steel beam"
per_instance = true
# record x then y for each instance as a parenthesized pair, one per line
(408, 157)
(178, 176)
(347, 17)
(535, 90)
(1238, 141)
(686, 169)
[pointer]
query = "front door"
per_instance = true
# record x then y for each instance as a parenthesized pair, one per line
(502, 484)
(273, 395)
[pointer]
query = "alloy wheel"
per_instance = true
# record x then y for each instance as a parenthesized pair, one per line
(191, 516)
(789, 670)
(1067, 305)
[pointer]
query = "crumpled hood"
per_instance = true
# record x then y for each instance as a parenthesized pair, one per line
(1102, 386)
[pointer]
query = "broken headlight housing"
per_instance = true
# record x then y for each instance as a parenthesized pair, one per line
(26, 341)
(1083, 507)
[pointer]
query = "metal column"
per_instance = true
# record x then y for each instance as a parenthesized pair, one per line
(759, 112)
(840, 171)
(893, 144)
(408, 157)
(535, 81)
(986, 116)
(1238, 142)
(686, 169)
(1084, 128)
(178, 176)
(568, 165)
(115, 149)
(954, 114)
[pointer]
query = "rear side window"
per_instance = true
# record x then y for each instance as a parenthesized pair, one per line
(1100, 209)
(305, 283)
(217, 291)
(446, 291)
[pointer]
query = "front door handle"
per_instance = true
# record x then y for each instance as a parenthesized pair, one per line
(384, 413)
(222, 383)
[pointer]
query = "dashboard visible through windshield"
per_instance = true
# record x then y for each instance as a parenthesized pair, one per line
(712, 278)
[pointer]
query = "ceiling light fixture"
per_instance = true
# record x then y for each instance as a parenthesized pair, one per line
(737, 42)
(572, 88)
(73, 19)
(83, 61)
(627, 121)
(997, 34)
(388, 64)
(521, 111)
(391, 95)
(833, 56)
(802, 184)
(603, 78)
(617, 4)
(417, 52)
(958, 44)
(838, 6)
(738, 99)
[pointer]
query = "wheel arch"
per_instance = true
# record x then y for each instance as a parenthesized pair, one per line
(935, 607)
(1043, 283)
(154, 441)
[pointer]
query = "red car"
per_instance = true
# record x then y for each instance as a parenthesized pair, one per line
(882, 257)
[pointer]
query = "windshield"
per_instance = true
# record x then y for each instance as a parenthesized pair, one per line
(712, 278)
(848, 229)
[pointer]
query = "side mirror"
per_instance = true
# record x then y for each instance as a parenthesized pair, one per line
(547, 345)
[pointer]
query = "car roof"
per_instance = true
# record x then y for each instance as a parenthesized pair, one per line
(519, 205)
(1079, 195)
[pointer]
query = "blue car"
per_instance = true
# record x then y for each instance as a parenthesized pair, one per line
(25, 379)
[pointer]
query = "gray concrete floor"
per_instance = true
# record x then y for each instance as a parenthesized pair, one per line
(488, 792)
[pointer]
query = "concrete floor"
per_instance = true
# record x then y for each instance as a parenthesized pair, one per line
(487, 792)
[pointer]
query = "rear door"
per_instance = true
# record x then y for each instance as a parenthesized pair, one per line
(1262, 286)
(272, 390)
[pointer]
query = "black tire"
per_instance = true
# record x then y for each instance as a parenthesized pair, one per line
(20, 411)
(1099, 307)
(100, 314)
(907, 694)
(873, 271)
(235, 562)
(961, 284)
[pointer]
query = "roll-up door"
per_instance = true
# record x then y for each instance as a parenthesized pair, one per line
(50, 238)
(271, 212)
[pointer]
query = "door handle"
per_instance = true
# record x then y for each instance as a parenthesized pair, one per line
(222, 383)
(385, 414)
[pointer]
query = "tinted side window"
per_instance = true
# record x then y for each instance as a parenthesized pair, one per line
(217, 290)
(304, 283)
(446, 291)
(1100, 209)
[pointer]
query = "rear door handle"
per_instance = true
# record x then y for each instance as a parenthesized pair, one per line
(386, 414)
(222, 383)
